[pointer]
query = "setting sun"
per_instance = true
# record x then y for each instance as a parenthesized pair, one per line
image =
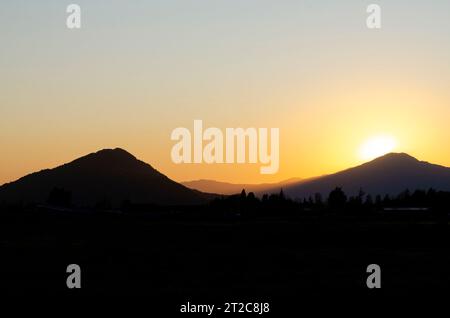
(376, 147)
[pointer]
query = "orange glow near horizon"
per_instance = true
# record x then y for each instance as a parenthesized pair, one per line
(136, 71)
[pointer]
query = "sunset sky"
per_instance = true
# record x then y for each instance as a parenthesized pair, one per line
(136, 70)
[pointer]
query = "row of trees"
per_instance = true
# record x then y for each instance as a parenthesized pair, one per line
(336, 200)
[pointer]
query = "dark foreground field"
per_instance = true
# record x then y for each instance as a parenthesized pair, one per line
(188, 256)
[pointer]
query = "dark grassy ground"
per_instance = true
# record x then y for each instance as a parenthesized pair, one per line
(257, 258)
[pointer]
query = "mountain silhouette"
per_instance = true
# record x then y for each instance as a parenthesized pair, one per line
(109, 175)
(390, 174)
(114, 176)
(233, 188)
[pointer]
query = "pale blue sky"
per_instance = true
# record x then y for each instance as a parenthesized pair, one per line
(138, 69)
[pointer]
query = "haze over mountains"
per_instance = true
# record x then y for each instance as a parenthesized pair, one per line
(114, 175)
(110, 175)
(213, 186)
(390, 174)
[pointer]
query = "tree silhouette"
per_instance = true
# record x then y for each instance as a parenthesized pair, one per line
(337, 199)
(281, 195)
